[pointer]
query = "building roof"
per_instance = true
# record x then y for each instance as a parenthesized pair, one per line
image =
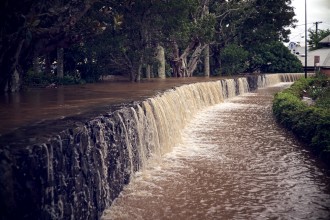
(325, 40)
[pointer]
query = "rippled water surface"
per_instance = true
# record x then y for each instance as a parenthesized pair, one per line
(234, 162)
(37, 105)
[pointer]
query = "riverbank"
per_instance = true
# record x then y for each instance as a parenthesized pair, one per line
(304, 109)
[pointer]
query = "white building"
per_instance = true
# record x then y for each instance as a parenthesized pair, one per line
(323, 54)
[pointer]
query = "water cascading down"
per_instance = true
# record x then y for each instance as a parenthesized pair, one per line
(79, 172)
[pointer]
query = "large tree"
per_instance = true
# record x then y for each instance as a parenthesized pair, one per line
(30, 28)
(124, 35)
(231, 15)
(145, 27)
(191, 37)
(249, 24)
(273, 57)
(267, 21)
(130, 42)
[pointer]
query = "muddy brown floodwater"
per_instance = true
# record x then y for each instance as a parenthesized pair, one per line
(35, 106)
(234, 162)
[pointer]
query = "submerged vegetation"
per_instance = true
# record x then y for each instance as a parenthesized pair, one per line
(309, 121)
(40, 80)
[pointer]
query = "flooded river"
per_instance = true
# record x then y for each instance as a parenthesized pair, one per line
(37, 105)
(234, 162)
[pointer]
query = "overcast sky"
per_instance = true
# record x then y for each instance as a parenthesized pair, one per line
(317, 10)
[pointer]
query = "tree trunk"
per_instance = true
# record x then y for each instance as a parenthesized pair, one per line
(139, 73)
(135, 67)
(176, 63)
(179, 63)
(161, 59)
(60, 62)
(36, 63)
(14, 84)
(207, 47)
(48, 70)
(132, 74)
(10, 69)
(193, 60)
(183, 67)
(148, 71)
(207, 60)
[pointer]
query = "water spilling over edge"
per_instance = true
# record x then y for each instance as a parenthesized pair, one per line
(80, 171)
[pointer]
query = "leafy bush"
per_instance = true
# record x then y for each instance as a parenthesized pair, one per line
(42, 80)
(310, 124)
(273, 57)
(324, 99)
(233, 59)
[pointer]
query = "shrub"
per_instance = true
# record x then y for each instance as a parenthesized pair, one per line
(311, 124)
(233, 59)
(273, 57)
(42, 80)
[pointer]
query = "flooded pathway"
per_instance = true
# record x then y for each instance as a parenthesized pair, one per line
(234, 162)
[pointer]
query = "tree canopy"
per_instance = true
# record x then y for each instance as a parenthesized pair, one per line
(122, 36)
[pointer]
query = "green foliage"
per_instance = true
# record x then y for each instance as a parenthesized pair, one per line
(315, 38)
(259, 26)
(85, 61)
(233, 59)
(297, 89)
(118, 37)
(32, 28)
(273, 57)
(323, 100)
(266, 21)
(175, 20)
(319, 90)
(311, 124)
(41, 80)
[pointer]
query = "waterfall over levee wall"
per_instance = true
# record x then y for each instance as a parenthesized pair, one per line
(77, 173)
